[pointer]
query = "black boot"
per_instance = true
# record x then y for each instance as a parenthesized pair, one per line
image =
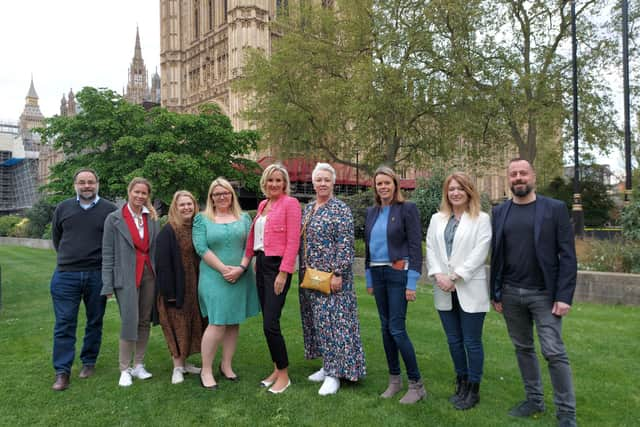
(461, 388)
(470, 399)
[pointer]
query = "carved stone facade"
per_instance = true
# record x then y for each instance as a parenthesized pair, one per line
(138, 85)
(202, 46)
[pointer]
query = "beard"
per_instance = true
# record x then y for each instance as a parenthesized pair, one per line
(87, 196)
(522, 192)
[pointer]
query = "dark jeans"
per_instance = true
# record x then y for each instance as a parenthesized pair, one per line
(68, 288)
(389, 288)
(464, 335)
(267, 268)
(522, 308)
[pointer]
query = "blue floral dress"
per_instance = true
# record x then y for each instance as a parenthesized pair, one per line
(330, 324)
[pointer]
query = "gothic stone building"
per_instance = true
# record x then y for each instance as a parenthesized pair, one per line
(202, 45)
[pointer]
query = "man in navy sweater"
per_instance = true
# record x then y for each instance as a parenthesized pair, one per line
(76, 231)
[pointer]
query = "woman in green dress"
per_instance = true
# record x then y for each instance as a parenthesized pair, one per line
(226, 291)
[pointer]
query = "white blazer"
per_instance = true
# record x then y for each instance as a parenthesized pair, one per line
(470, 248)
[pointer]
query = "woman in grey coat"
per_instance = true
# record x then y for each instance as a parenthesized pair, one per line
(128, 253)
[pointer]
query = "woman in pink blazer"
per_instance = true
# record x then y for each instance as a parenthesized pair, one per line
(274, 239)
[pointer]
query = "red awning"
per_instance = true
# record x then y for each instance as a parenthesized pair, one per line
(300, 170)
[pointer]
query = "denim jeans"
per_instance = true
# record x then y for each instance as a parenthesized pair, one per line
(68, 288)
(522, 308)
(389, 288)
(464, 335)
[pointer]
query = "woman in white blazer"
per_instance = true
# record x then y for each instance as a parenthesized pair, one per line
(458, 241)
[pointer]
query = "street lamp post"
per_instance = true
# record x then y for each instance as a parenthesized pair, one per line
(627, 126)
(577, 212)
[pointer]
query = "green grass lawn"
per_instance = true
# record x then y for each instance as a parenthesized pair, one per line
(603, 343)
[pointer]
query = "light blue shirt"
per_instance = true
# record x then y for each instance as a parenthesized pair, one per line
(90, 205)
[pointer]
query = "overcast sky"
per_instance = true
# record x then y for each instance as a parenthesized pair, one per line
(71, 44)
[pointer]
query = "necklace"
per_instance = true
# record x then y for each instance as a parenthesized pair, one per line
(139, 220)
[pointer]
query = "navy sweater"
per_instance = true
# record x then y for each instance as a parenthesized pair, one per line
(77, 234)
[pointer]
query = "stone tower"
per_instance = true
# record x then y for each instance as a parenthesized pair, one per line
(137, 86)
(155, 88)
(31, 116)
(202, 47)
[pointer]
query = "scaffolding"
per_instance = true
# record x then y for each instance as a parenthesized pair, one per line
(18, 175)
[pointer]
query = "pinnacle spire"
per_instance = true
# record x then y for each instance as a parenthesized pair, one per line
(137, 53)
(32, 90)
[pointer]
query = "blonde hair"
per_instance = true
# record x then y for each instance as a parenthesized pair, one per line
(269, 170)
(210, 210)
(174, 216)
(139, 180)
(397, 194)
(473, 203)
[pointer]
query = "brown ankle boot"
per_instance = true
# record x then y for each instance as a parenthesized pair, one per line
(395, 385)
(415, 393)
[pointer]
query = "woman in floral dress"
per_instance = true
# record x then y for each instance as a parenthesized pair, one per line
(330, 322)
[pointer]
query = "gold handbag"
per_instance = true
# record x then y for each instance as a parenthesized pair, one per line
(315, 280)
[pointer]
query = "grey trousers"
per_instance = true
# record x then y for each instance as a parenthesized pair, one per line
(146, 294)
(522, 308)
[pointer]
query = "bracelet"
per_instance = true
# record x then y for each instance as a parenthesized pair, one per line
(243, 267)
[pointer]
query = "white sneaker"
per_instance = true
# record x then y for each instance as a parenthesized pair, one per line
(191, 369)
(140, 373)
(125, 378)
(177, 377)
(318, 377)
(329, 386)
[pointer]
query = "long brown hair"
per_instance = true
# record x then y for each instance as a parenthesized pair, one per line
(473, 204)
(175, 218)
(139, 180)
(397, 194)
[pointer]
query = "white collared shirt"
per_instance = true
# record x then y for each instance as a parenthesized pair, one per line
(138, 220)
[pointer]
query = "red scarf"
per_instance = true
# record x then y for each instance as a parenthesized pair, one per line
(141, 245)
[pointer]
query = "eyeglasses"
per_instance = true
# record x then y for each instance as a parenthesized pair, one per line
(220, 195)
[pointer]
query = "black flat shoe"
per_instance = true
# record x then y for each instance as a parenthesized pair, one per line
(233, 379)
(208, 387)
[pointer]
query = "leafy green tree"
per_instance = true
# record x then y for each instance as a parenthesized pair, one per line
(358, 203)
(513, 60)
(596, 202)
(428, 195)
(174, 151)
(631, 220)
(39, 215)
(347, 81)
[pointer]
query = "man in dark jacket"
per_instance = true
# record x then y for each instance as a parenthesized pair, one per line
(533, 278)
(76, 231)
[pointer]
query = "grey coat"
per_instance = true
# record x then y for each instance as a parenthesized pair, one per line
(119, 269)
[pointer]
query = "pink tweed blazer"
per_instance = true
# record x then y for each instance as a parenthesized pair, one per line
(281, 232)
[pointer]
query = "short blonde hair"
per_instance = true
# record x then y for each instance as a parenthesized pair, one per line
(473, 205)
(210, 210)
(144, 181)
(174, 216)
(269, 170)
(397, 194)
